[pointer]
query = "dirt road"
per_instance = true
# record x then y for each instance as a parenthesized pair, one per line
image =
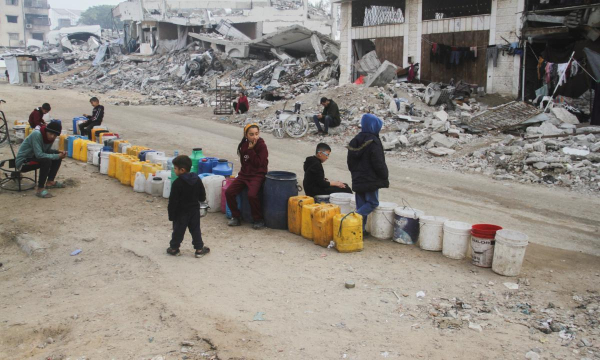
(122, 297)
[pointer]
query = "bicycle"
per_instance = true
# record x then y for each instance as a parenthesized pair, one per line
(3, 125)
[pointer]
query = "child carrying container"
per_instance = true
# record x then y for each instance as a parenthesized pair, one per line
(187, 192)
(366, 162)
(254, 157)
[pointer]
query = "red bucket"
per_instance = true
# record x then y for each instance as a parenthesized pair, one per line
(485, 231)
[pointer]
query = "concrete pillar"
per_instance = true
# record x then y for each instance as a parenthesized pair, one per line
(346, 43)
(492, 41)
(316, 43)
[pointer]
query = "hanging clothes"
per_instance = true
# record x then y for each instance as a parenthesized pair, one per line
(539, 67)
(492, 53)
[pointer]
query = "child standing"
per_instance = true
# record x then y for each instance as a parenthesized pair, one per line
(366, 162)
(187, 192)
(254, 157)
(95, 119)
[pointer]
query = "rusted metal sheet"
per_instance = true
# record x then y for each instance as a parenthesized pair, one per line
(503, 117)
(472, 72)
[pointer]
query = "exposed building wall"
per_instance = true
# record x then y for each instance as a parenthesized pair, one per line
(56, 17)
(7, 28)
(345, 43)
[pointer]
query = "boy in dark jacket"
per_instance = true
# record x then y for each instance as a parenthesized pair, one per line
(366, 162)
(187, 192)
(95, 119)
(330, 116)
(315, 182)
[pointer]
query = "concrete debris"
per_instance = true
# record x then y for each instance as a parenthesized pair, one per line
(565, 116)
(383, 75)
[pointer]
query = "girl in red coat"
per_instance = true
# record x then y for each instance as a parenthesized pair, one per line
(254, 157)
(241, 106)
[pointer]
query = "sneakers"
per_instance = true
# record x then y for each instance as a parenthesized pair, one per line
(234, 222)
(258, 225)
(174, 252)
(202, 252)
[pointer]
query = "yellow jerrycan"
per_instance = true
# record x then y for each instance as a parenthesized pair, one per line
(323, 224)
(135, 168)
(77, 149)
(83, 154)
(119, 167)
(295, 204)
(112, 164)
(126, 171)
(62, 140)
(347, 232)
(308, 211)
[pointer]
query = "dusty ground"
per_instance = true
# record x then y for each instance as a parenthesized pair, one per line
(123, 298)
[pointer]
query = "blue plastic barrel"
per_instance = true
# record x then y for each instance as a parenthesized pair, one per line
(206, 164)
(223, 168)
(279, 187)
(70, 140)
(75, 120)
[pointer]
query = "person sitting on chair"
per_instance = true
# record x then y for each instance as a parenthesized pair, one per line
(36, 153)
(330, 116)
(241, 106)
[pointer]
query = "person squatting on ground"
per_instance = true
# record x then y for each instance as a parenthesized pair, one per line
(315, 183)
(95, 119)
(36, 118)
(330, 116)
(241, 106)
(366, 162)
(187, 192)
(254, 157)
(36, 153)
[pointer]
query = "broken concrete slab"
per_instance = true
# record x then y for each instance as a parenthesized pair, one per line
(295, 38)
(369, 63)
(316, 43)
(441, 141)
(227, 29)
(564, 115)
(383, 75)
(442, 115)
(440, 151)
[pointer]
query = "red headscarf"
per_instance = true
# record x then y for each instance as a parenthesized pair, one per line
(45, 135)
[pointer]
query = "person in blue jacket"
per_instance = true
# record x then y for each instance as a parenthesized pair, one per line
(366, 162)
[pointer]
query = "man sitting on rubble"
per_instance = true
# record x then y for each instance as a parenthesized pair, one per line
(241, 106)
(315, 182)
(330, 116)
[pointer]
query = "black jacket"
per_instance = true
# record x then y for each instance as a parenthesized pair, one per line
(366, 162)
(333, 111)
(97, 114)
(187, 192)
(314, 176)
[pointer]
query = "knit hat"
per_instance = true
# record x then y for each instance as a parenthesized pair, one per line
(54, 127)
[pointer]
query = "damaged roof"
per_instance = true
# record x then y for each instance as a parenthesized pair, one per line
(294, 38)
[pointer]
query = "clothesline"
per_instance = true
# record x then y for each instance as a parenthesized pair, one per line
(478, 47)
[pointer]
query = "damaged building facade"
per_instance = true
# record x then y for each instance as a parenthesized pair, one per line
(23, 20)
(166, 24)
(464, 40)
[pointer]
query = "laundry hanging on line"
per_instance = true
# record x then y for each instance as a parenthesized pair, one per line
(452, 55)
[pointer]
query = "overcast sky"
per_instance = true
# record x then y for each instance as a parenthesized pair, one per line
(80, 4)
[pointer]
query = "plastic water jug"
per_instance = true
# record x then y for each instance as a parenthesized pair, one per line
(136, 167)
(116, 144)
(170, 161)
(99, 135)
(95, 131)
(148, 185)
(140, 183)
(104, 160)
(196, 156)
(323, 224)
(83, 155)
(104, 136)
(380, 223)
(212, 184)
(157, 186)
(308, 213)
(62, 140)
(279, 187)
(295, 204)
(142, 154)
(150, 156)
(96, 158)
(167, 189)
(224, 185)
(205, 165)
(112, 164)
(223, 168)
(119, 167)
(77, 148)
(343, 201)
(126, 171)
(76, 121)
(92, 148)
(202, 176)
(123, 146)
(348, 232)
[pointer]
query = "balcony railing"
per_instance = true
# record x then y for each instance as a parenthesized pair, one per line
(38, 21)
(36, 4)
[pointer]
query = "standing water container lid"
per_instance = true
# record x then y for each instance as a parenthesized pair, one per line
(387, 206)
(408, 213)
(280, 175)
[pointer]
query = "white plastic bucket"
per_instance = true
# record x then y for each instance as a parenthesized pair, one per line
(456, 239)
(91, 149)
(353, 203)
(96, 158)
(482, 251)
(19, 131)
(431, 233)
(139, 184)
(509, 252)
(406, 225)
(381, 221)
(213, 185)
(343, 201)
(104, 162)
(124, 148)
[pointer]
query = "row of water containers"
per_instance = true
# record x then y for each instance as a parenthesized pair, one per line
(487, 245)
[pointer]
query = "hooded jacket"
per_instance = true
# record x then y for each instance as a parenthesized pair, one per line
(36, 118)
(366, 159)
(314, 176)
(187, 192)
